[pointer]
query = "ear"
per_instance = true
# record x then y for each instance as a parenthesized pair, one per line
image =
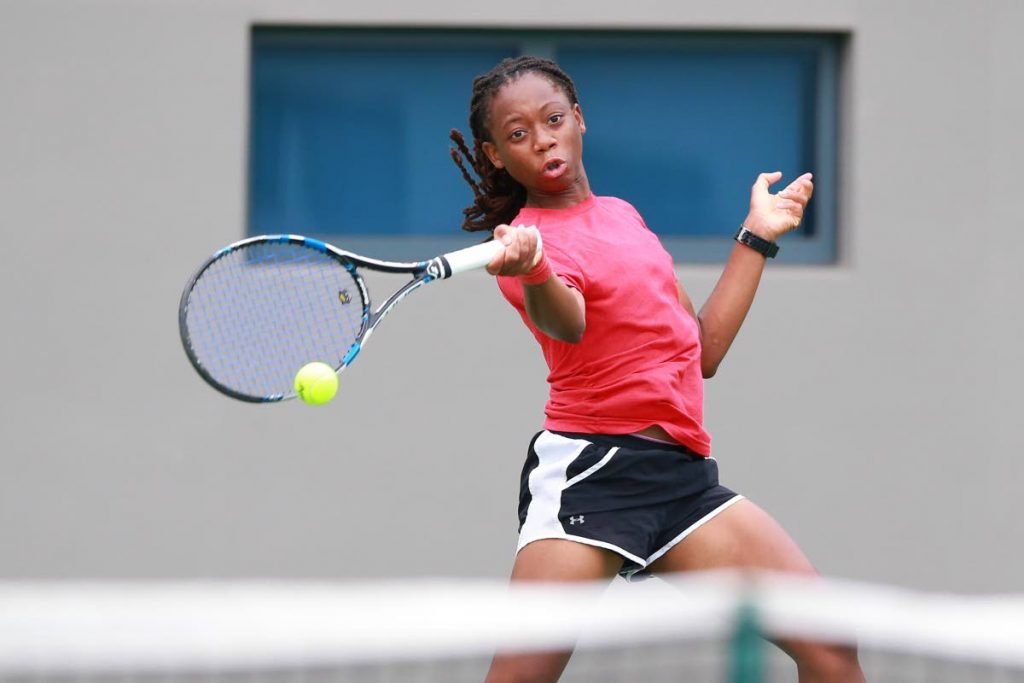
(492, 153)
(578, 113)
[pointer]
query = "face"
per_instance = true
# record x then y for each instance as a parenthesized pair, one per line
(538, 138)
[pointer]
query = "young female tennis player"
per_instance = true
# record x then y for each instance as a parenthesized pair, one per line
(620, 480)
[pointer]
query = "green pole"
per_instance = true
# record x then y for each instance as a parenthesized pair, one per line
(747, 648)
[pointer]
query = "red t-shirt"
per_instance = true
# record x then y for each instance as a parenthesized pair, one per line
(638, 363)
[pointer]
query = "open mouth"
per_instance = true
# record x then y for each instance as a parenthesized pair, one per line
(554, 168)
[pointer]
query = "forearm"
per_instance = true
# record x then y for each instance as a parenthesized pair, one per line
(770, 217)
(726, 308)
(556, 309)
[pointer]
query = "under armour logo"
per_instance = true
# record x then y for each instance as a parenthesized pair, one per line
(575, 520)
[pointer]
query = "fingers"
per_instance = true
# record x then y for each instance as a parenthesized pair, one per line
(793, 209)
(494, 267)
(795, 196)
(538, 248)
(522, 250)
(800, 189)
(765, 180)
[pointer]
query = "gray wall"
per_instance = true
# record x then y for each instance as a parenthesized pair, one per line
(873, 407)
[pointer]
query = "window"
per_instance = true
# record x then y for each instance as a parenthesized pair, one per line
(349, 131)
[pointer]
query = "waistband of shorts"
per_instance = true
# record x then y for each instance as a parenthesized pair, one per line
(629, 441)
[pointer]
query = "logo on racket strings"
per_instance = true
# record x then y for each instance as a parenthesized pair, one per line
(344, 297)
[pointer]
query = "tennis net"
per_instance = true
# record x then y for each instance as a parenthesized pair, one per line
(704, 627)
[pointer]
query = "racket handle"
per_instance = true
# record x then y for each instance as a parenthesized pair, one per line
(471, 258)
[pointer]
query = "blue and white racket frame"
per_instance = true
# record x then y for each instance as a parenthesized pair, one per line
(439, 267)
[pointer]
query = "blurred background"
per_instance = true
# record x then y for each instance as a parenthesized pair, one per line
(871, 402)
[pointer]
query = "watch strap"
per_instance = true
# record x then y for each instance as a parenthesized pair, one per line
(766, 248)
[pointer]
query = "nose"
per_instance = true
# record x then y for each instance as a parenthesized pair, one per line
(544, 140)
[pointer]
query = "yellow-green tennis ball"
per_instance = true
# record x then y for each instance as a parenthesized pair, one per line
(316, 383)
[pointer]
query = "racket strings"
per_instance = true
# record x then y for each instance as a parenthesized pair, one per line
(259, 313)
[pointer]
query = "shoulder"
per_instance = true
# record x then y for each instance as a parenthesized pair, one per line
(614, 204)
(621, 210)
(618, 206)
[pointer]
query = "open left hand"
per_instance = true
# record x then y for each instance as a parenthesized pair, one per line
(773, 215)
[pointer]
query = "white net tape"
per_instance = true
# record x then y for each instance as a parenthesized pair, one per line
(81, 628)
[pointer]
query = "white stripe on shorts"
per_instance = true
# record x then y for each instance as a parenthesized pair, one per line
(547, 481)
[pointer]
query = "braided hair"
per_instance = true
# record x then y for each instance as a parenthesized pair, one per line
(497, 196)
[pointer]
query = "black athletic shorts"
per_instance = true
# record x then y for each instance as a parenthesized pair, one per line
(631, 495)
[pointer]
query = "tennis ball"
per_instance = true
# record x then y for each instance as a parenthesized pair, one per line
(316, 383)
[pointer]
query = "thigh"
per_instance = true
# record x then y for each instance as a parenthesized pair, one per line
(551, 559)
(745, 536)
(556, 559)
(742, 536)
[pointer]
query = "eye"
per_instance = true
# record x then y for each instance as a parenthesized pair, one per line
(517, 134)
(556, 118)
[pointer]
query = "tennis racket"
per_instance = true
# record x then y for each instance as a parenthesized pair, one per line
(259, 309)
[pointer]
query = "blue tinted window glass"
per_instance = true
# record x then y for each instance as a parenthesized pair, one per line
(355, 139)
(349, 130)
(682, 133)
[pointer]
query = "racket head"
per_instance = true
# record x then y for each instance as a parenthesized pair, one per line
(258, 310)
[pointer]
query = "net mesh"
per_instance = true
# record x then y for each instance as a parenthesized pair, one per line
(695, 628)
(259, 313)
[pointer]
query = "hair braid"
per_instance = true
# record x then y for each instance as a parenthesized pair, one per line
(497, 197)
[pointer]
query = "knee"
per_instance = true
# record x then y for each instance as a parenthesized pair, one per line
(825, 663)
(527, 668)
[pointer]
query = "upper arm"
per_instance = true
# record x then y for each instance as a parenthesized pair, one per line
(557, 309)
(684, 299)
(707, 369)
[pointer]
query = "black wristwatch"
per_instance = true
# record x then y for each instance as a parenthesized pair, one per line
(766, 248)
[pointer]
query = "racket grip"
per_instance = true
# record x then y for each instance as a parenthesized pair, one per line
(471, 258)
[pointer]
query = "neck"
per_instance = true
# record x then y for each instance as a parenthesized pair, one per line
(577, 192)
